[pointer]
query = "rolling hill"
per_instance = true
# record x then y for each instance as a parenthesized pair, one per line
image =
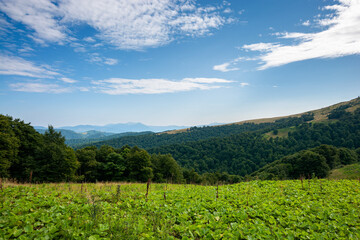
(242, 148)
(265, 126)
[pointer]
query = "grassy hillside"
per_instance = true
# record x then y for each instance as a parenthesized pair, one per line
(244, 148)
(347, 172)
(320, 115)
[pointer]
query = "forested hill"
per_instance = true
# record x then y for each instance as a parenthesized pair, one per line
(197, 133)
(242, 154)
(193, 134)
(238, 149)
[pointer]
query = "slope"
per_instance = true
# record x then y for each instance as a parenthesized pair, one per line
(193, 134)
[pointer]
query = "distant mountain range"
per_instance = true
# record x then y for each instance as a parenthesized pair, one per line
(117, 128)
(69, 134)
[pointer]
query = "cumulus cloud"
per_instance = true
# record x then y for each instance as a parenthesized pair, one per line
(11, 65)
(118, 86)
(341, 37)
(125, 24)
(38, 87)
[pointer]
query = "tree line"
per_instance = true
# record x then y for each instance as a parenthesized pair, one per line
(316, 162)
(245, 153)
(28, 156)
(193, 134)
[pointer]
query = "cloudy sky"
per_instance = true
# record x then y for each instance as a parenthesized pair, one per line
(184, 62)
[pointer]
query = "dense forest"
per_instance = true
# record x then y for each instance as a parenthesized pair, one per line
(316, 161)
(26, 155)
(236, 152)
(197, 133)
(242, 154)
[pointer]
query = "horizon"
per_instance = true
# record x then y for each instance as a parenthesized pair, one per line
(200, 125)
(175, 62)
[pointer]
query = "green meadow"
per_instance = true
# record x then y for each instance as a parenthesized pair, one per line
(293, 209)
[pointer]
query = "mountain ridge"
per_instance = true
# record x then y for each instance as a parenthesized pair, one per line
(117, 128)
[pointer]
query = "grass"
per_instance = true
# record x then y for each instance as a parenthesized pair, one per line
(282, 133)
(347, 172)
(315, 209)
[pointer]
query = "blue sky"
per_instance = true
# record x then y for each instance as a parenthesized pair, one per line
(165, 62)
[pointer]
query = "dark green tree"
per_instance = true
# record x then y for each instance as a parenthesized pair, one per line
(114, 167)
(88, 164)
(57, 162)
(9, 146)
(307, 163)
(166, 169)
(139, 165)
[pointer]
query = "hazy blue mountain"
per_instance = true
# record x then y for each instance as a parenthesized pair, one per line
(69, 134)
(122, 128)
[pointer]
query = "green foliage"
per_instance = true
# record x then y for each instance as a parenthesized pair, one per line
(139, 165)
(199, 133)
(312, 209)
(351, 171)
(316, 161)
(339, 113)
(244, 153)
(24, 153)
(347, 156)
(166, 169)
(9, 145)
(307, 163)
(88, 164)
(56, 161)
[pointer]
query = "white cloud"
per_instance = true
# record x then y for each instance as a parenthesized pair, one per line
(227, 10)
(110, 61)
(306, 23)
(135, 24)
(96, 58)
(260, 46)
(230, 66)
(244, 84)
(89, 39)
(38, 88)
(78, 47)
(4, 25)
(225, 67)
(26, 49)
(40, 15)
(10, 65)
(340, 38)
(68, 80)
(206, 80)
(118, 86)
(84, 89)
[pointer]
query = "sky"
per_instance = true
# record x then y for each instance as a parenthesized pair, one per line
(175, 62)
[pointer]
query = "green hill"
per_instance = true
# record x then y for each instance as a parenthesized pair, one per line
(265, 126)
(244, 148)
(347, 172)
